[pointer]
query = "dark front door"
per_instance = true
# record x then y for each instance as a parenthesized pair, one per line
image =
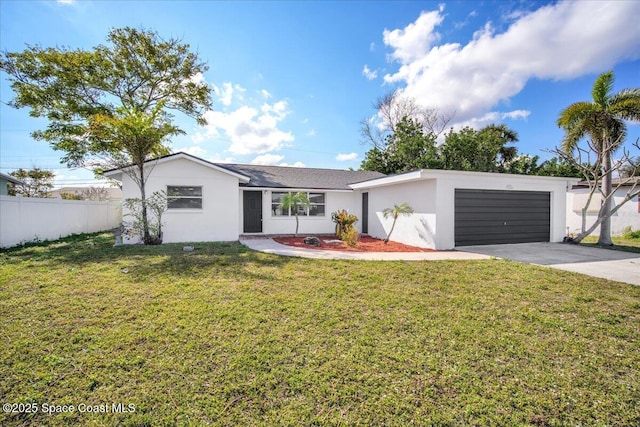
(252, 211)
(365, 213)
(485, 217)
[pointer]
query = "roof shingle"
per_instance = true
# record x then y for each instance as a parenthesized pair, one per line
(292, 177)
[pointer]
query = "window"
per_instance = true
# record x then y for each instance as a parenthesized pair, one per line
(317, 204)
(276, 204)
(316, 208)
(184, 197)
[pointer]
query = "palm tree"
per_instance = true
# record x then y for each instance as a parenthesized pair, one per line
(395, 212)
(501, 135)
(602, 120)
(295, 201)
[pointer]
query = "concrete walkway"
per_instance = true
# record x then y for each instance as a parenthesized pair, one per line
(597, 262)
(268, 245)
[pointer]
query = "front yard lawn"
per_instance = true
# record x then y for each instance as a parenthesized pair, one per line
(227, 336)
(621, 243)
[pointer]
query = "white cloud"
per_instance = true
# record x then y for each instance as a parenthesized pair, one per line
(265, 94)
(267, 159)
(217, 158)
(65, 1)
(312, 132)
(346, 157)
(494, 117)
(203, 154)
(372, 47)
(274, 160)
(370, 75)
(279, 108)
(227, 92)
(197, 78)
(194, 150)
(250, 130)
(293, 165)
(559, 41)
(461, 24)
(414, 41)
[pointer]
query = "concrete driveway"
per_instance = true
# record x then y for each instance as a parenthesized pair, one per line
(604, 263)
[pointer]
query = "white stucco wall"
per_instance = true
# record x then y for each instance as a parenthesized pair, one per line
(334, 200)
(431, 194)
(218, 218)
(419, 229)
(627, 216)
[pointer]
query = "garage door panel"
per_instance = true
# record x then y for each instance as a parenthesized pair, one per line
(517, 225)
(500, 241)
(496, 194)
(472, 221)
(508, 208)
(515, 209)
(496, 231)
(494, 217)
(489, 203)
(504, 216)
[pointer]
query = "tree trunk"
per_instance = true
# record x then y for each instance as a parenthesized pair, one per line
(297, 224)
(600, 219)
(605, 225)
(143, 195)
(390, 231)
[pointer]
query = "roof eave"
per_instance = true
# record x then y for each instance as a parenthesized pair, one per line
(11, 179)
(389, 180)
(117, 173)
(284, 189)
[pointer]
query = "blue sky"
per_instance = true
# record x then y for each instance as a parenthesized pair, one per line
(293, 80)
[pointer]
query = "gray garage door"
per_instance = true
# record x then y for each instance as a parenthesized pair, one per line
(486, 217)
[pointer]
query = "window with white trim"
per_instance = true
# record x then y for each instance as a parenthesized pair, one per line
(316, 207)
(317, 204)
(184, 197)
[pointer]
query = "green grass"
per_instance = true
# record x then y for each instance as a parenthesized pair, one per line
(227, 336)
(628, 242)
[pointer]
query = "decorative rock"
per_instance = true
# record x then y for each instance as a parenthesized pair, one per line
(188, 248)
(312, 241)
(333, 241)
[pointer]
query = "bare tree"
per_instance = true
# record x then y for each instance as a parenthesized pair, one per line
(628, 170)
(391, 109)
(99, 194)
(603, 121)
(627, 167)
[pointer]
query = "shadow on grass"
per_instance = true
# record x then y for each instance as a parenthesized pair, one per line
(623, 248)
(143, 262)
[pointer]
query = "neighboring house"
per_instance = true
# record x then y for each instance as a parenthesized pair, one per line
(627, 216)
(106, 193)
(220, 202)
(4, 181)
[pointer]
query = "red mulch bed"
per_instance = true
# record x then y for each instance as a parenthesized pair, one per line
(365, 244)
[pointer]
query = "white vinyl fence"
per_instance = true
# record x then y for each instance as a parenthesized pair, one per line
(26, 219)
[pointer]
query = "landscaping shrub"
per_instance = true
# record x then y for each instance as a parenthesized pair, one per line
(629, 234)
(350, 237)
(344, 222)
(156, 206)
